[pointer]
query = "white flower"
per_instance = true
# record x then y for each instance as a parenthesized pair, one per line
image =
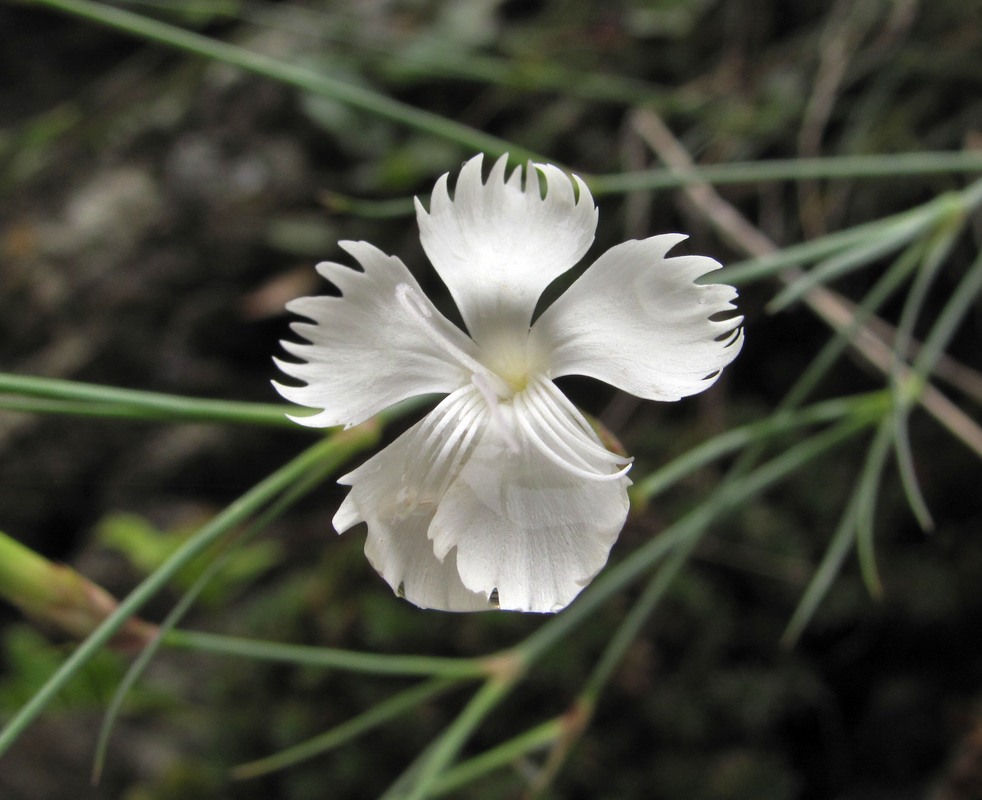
(503, 495)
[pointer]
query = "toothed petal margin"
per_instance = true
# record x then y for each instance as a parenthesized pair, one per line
(366, 350)
(523, 525)
(498, 244)
(638, 321)
(397, 494)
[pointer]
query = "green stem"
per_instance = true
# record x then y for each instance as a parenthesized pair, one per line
(832, 167)
(369, 663)
(785, 421)
(948, 205)
(680, 539)
(291, 75)
(436, 56)
(28, 393)
(54, 395)
(537, 738)
(749, 172)
(446, 747)
(385, 711)
(629, 628)
(861, 255)
(684, 536)
(616, 647)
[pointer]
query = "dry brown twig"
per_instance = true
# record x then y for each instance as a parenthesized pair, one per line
(830, 307)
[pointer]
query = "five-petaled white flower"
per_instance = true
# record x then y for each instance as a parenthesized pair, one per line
(503, 495)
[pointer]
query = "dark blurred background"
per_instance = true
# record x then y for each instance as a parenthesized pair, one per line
(157, 211)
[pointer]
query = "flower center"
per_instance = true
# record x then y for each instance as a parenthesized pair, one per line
(414, 302)
(507, 389)
(506, 354)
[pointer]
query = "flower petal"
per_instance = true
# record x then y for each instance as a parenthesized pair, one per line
(524, 525)
(397, 491)
(637, 320)
(497, 245)
(381, 342)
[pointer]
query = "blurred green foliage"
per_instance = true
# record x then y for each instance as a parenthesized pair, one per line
(146, 548)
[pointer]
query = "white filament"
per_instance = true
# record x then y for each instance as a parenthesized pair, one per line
(560, 420)
(443, 453)
(562, 449)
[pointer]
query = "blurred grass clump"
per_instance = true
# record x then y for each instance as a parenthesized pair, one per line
(775, 621)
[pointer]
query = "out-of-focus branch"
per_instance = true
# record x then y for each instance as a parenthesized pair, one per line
(829, 306)
(58, 597)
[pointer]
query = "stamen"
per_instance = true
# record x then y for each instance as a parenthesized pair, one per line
(557, 459)
(562, 419)
(564, 402)
(432, 444)
(435, 422)
(464, 421)
(435, 445)
(471, 426)
(570, 441)
(529, 407)
(568, 446)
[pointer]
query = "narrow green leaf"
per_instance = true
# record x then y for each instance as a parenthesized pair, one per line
(844, 263)
(831, 167)
(827, 571)
(506, 753)
(867, 493)
(369, 663)
(53, 395)
(838, 343)
(449, 743)
(781, 422)
(934, 258)
(693, 524)
(291, 75)
(385, 711)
